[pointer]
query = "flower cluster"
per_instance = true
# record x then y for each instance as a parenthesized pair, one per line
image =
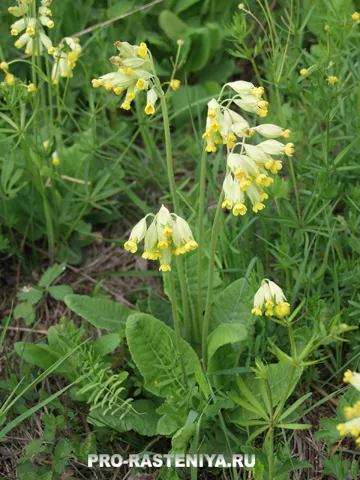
(9, 77)
(31, 28)
(65, 56)
(352, 426)
(135, 73)
(167, 235)
(248, 172)
(268, 297)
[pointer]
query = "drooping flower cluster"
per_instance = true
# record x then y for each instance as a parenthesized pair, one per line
(268, 297)
(248, 172)
(65, 56)
(167, 235)
(352, 426)
(33, 36)
(134, 74)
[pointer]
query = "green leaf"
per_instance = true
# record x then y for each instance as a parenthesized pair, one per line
(223, 335)
(31, 296)
(233, 306)
(324, 12)
(182, 437)
(99, 312)
(152, 347)
(167, 425)
(294, 426)
(106, 344)
(25, 311)
(282, 380)
(295, 405)
(61, 456)
(39, 355)
(51, 275)
(59, 292)
(142, 418)
(173, 27)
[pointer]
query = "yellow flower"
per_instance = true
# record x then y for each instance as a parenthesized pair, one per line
(175, 84)
(165, 267)
(4, 66)
(10, 79)
(51, 50)
(142, 52)
(332, 80)
(149, 109)
(258, 206)
(180, 42)
(30, 31)
(304, 72)
(55, 160)
(348, 376)
(286, 134)
(141, 84)
(131, 246)
(31, 88)
(96, 83)
(289, 149)
(283, 309)
(355, 16)
(125, 105)
(239, 209)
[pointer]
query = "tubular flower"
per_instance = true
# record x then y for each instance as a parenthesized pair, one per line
(55, 160)
(355, 16)
(270, 298)
(31, 26)
(65, 56)
(135, 73)
(249, 171)
(223, 126)
(351, 427)
(167, 235)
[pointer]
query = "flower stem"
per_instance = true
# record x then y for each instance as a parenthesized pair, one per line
(201, 238)
(176, 324)
(209, 295)
(271, 453)
(171, 177)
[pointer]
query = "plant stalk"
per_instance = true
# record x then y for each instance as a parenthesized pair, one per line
(209, 295)
(176, 324)
(201, 239)
(171, 177)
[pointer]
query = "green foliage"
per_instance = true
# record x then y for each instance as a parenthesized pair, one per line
(99, 312)
(152, 347)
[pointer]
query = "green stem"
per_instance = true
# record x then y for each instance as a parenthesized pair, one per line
(171, 177)
(271, 453)
(292, 343)
(176, 324)
(169, 160)
(209, 294)
(201, 237)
